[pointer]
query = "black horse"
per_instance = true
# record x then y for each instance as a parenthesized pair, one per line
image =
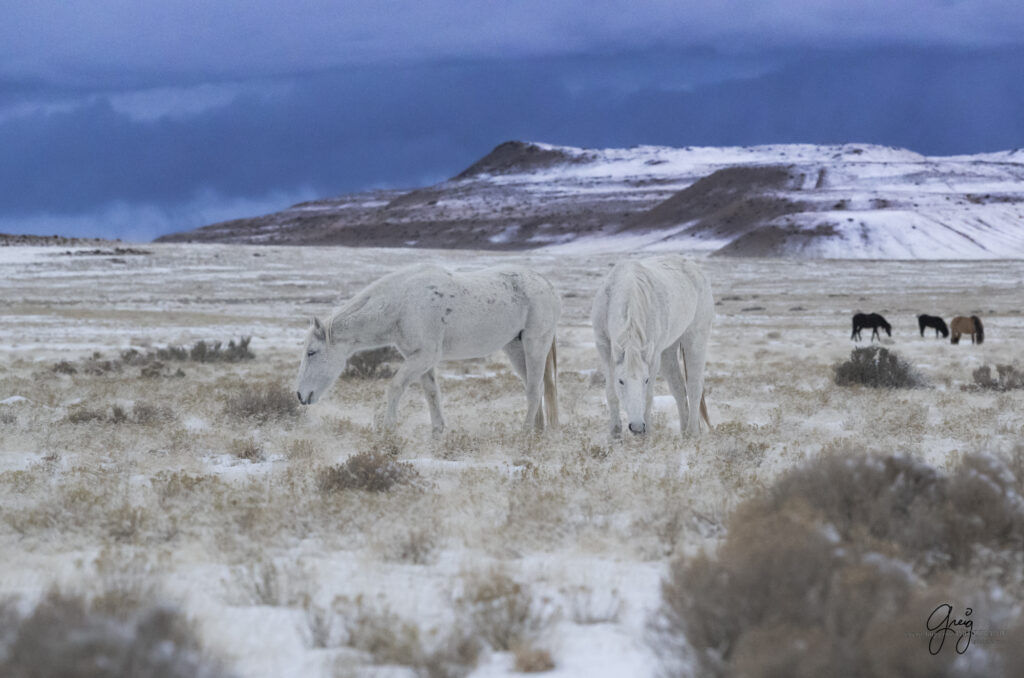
(934, 322)
(872, 320)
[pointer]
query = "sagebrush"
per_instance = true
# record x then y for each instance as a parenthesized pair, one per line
(876, 367)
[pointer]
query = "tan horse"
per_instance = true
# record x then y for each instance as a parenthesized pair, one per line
(964, 325)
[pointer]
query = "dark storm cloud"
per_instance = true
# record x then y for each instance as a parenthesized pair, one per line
(105, 41)
(124, 117)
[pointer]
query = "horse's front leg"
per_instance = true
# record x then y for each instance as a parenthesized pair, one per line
(415, 366)
(652, 373)
(605, 352)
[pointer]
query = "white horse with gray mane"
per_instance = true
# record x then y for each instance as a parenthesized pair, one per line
(430, 314)
(645, 314)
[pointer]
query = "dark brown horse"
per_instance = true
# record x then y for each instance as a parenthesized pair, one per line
(964, 325)
(935, 322)
(872, 320)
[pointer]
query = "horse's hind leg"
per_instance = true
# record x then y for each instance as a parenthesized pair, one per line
(694, 343)
(432, 393)
(672, 372)
(517, 356)
(535, 350)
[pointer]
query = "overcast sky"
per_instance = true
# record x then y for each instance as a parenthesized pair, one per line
(130, 119)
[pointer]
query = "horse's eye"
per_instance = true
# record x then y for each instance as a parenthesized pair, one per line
(647, 380)
(622, 382)
(310, 354)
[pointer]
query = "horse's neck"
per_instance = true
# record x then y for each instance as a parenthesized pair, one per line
(364, 323)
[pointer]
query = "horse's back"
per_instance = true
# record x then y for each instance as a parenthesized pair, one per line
(675, 285)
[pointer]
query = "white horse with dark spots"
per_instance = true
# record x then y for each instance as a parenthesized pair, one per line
(646, 313)
(430, 314)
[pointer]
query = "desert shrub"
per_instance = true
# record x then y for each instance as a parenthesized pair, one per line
(502, 611)
(201, 352)
(263, 403)
(367, 471)
(372, 364)
(147, 413)
(64, 367)
(71, 637)
(876, 367)
(834, 569)
(157, 369)
(1008, 378)
(152, 363)
(85, 415)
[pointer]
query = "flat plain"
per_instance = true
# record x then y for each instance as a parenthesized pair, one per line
(193, 482)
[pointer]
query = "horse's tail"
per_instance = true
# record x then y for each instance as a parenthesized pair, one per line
(551, 386)
(978, 329)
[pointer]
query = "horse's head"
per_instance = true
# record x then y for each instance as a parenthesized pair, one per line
(321, 364)
(888, 328)
(632, 374)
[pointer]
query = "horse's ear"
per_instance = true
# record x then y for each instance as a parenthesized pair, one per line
(318, 329)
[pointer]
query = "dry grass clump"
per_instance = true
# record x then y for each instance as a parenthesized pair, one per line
(367, 471)
(266, 582)
(876, 367)
(1008, 378)
(414, 546)
(263, 403)
(247, 448)
(529, 659)
(503, 611)
(141, 413)
(388, 639)
(372, 364)
(835, 569)
(588, 606)
(71, 637)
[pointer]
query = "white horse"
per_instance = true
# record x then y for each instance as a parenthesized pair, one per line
(430, 314)
(644, 314)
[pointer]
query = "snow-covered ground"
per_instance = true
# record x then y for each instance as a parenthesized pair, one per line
(170, 496)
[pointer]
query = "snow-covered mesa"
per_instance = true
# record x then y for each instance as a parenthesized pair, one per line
(851, 201)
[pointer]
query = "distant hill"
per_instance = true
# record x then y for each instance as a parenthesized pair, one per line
(847, 201)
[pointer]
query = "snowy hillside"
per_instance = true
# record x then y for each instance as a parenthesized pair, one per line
(851, 201)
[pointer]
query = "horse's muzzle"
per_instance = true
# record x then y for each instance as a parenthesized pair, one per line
(642, 428)
(308, 400)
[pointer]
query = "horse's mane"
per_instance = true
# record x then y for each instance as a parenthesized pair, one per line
(634, 291)
(350, 308)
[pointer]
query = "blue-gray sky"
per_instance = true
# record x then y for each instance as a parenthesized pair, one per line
(130, 119)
